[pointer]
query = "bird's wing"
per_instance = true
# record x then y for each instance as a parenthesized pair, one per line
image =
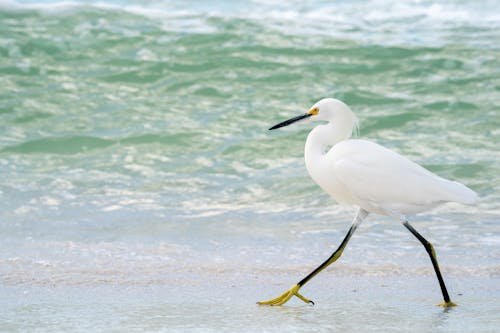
(374, 174)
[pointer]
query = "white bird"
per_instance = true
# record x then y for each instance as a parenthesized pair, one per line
(372, 177)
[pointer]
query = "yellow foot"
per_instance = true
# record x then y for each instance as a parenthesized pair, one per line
(447, 304)
(283, 298)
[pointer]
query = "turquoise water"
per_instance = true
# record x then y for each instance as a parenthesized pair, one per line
(138, 172)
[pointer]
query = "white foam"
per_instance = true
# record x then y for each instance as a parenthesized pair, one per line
(146, 54)
(112, 208)
(298, 18)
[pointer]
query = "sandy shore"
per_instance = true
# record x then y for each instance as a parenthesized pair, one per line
(225, 302)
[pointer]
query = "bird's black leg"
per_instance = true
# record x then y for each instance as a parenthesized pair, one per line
(294, 291)
(432, 254)
(335, 255)
(360, 216)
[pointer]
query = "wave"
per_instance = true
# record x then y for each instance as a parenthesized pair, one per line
(314, 16)
(61, 145)
(70, 145)
(372, 23)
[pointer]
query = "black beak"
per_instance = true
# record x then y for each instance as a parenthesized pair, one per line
(291, 121)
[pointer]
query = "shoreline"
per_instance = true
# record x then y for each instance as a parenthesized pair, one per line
(353, 303)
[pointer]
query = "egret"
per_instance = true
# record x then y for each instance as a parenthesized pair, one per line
(371, 177)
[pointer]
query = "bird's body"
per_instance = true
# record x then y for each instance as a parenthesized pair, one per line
(365, 174)
(370, 176)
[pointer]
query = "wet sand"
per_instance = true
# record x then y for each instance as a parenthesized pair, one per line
(225, 302)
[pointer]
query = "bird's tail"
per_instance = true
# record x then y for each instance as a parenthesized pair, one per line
(460, 193)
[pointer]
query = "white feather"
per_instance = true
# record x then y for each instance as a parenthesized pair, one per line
(368, 175)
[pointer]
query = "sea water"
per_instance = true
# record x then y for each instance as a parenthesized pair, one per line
(141, 190)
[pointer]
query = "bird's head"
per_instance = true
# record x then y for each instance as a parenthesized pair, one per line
(327, 109)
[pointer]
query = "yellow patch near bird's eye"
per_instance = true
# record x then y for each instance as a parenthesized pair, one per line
(313, 111)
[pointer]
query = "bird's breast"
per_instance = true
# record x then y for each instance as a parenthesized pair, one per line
(329, 182)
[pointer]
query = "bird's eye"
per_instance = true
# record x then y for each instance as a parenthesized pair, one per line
(313, 111)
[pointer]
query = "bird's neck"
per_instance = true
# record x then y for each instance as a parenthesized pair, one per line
(320, 139)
